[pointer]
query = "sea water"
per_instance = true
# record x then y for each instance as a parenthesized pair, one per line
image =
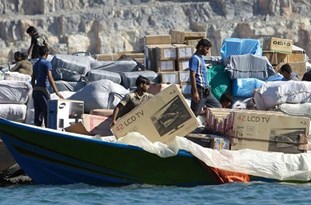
(233, 193)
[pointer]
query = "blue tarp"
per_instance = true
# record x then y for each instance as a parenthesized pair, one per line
(237, 46)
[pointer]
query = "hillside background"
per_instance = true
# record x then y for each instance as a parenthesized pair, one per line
(108, 26)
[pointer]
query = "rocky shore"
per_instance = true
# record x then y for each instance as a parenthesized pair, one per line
(108, 26)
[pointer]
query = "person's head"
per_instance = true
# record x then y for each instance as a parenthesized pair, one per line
(306, 76)
(17, 56)
(31, 30)
(225, 100)
(203, 46)
(142, 83)
(43, 51)
(23, 56)
(286, 71)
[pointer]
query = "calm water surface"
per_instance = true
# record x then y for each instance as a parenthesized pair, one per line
(236, 193)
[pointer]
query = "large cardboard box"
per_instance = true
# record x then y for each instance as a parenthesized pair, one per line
(279, 45)
(184, 51)
(269, 131)
(165, 52)
(180, 37)
(161, 118)
(107, 57)
(169, 77)
(92, 125)
(62, 113)
(157, 39)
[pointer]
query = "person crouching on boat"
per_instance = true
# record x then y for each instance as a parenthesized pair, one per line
(41, 77)
(132, 99)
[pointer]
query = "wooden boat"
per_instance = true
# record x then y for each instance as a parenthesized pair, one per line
(54, 157)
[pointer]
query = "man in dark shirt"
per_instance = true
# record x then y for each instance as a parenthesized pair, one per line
(36, 42)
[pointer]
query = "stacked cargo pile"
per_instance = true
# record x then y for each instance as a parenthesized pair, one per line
(280, 51)
(260, 130)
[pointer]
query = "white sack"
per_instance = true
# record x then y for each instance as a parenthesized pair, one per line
(296, 109)
(70, 67)
(101, 94)
(14, 92)
(278, 92)
(17, 76)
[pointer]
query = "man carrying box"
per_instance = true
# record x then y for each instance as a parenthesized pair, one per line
(133, 99)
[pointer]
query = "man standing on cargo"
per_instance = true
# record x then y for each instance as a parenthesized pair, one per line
(36, 42)
(132, 99)
(200, 90)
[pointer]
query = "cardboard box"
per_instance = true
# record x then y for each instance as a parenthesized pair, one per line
(269, 131)
(184, 51)
(157, 39)
(180, 37)
(107, 57)
(210, 141)
(276, 58)
(184, 76)
(131, 54)
(279, 45)
(182, 64)
(169, 77)
(92, 125)
(62, 113)
(161, 118)
(165, 52)
(165, 65)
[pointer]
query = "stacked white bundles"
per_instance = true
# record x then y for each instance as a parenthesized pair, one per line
(115, 66)
(279, 92)
(16, 76)
(13, 98)
(99, 74)
(101, 94)
(70, 67)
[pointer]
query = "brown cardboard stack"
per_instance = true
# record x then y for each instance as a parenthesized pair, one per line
(161, 118)
(280, 51)
(150, 43)
(165, 58)
(269, 131)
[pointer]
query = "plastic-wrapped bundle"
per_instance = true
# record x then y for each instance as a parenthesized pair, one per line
(98, 74)
(70, 67)
(278, 92)
(249, 66)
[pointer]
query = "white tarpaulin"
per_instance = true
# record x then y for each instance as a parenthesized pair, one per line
(272, 165)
